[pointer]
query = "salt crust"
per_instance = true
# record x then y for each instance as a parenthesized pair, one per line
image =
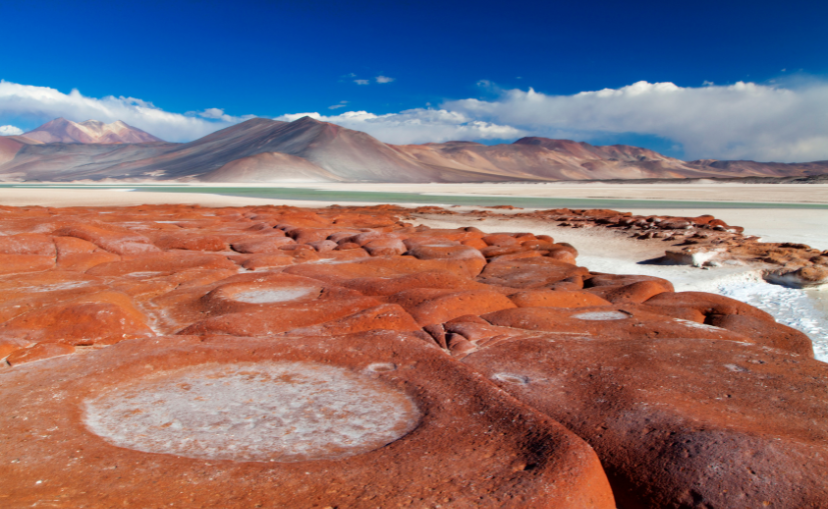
(278, 411)
(601, 315)
(268, 296)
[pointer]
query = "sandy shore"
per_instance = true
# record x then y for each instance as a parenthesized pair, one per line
(713, 192)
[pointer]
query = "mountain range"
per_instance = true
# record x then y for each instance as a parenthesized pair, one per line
(61, 130)
(307, 150)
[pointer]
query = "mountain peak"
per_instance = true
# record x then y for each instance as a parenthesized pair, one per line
(307, 119)
(61, 130)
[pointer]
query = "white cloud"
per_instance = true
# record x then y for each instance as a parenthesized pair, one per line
(218, 114)
(384, 79)
(416, 126)
(10, 130)
(362, 82)
(740, 121)
(43, 104)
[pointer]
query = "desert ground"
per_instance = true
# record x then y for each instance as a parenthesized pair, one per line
(585, 377)
(775, 213)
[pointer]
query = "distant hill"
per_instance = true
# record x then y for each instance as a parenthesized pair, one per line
(61, 130)
(307, 150)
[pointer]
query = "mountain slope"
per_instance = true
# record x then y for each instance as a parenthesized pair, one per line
(307, 150)
(754, 169)
(270, 167)
(343, 154)
(61, 130)
(331, 152)
(11, 145)
(546, 159)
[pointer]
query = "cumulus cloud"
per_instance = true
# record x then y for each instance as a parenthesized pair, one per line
(43, 104)
(10, 130)
(417, 125)
(740, 121)
(384, 79)
(218, 114)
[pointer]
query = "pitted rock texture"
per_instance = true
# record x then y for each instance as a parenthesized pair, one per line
(342, 357)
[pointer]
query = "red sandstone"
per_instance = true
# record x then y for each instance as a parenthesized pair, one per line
(517, 378)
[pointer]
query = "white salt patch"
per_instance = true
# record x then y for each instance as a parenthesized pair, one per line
(146, 274)
(273, 295)
(56, 287)
(697, 325)
(790, 306)
(382, 367)
(511, 378)
(601, 315)
(735, 368)
(281, 411)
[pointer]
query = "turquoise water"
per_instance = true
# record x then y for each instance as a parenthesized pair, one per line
(283, 193)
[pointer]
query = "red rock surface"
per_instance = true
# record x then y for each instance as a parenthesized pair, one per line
(341, 357)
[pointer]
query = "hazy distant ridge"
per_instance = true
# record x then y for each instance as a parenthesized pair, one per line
(307, 150)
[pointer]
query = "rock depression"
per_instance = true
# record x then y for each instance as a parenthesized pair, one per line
(343, 357)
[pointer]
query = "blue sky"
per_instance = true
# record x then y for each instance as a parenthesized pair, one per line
(276, 58)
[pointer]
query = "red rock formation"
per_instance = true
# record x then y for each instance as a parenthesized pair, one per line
(342, 357)
(681, 422)
(381, 419)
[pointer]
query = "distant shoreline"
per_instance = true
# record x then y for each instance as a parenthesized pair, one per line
(536, 196)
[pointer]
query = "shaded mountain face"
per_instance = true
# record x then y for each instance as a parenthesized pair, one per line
(307, 150)
(61, 130)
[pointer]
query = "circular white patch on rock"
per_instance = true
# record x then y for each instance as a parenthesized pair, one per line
(270, 295)
(279, 411)
(601, 315)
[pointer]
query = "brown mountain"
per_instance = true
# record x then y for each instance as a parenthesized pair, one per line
(330, 153)
(546, 159)
(61, 130)
(307, 150)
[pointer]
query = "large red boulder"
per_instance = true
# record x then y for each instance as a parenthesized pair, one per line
(680, 422)
(363, 421)
(529, 273)
(98, 318)
(430, 305)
